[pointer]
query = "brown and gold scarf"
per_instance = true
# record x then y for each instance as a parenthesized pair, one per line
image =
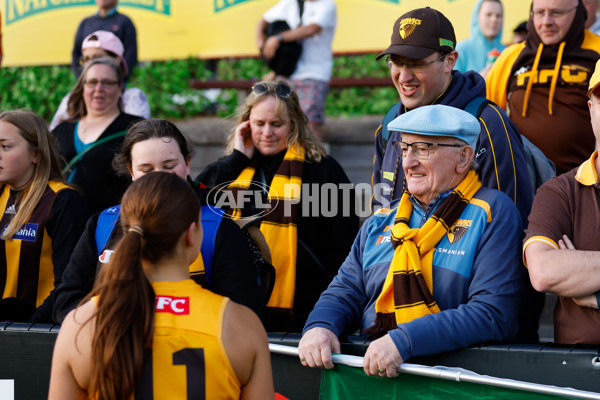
(279, 226)
(407, 289)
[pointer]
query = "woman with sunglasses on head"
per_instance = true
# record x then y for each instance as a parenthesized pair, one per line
(107, 44)
(225, 265)
(146, 318)
(272, 149)
(41, 221)
(92, 135)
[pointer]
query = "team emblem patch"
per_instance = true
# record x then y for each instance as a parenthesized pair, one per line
(408, 26)
(458, 230)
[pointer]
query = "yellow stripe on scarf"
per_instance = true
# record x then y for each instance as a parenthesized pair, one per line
(408, 286)
(280, 231)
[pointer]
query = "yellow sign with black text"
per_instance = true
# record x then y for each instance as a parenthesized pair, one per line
(41, 32)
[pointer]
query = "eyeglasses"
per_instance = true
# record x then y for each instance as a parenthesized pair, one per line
(107, 83)
(419, 149)
(414, 67)
(282, 90)
(553, 14)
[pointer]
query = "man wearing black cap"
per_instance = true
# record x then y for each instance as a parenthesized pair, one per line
(421, 58)
(520, 32)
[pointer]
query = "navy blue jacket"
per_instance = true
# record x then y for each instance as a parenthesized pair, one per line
(500, 156)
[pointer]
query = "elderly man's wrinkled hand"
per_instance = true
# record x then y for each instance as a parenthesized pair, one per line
(382, 358)
(316, 346)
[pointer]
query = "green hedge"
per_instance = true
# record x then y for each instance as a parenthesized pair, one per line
(166, 84)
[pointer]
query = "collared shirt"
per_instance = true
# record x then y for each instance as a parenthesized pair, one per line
(569, 204)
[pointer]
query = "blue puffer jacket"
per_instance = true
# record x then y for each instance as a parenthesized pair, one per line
(500, 154)
(476, 279)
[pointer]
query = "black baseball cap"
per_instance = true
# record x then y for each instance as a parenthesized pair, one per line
(421, 32)
(522, 27)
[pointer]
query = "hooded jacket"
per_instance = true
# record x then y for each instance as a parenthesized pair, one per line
(473, 51)
(544, 90)
(499, 154)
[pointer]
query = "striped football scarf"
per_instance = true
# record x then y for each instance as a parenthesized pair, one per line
(407, 289)
(280, 230)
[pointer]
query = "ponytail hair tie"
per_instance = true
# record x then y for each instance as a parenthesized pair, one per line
(137, 229)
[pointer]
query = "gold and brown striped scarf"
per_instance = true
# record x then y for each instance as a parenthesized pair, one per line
(279, 227)
(407, 289)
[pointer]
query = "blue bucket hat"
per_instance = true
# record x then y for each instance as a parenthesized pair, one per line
(439, 120)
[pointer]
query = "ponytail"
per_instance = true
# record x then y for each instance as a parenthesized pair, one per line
(124, 321)
(156, 211)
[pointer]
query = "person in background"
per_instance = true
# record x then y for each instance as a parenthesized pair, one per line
(0, 39)
(592, 23)
(439, 270)
(274, 153)
(479, 51)
(148, 330)
(93, 134)
(421, 66)
(41, 221)
(106, 19)
(520, 33)
(150, 146)
(543, 82)
(314, 27)
(107, 44)
(561, 247)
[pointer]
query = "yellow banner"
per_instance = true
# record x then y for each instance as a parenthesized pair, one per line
(41, 32)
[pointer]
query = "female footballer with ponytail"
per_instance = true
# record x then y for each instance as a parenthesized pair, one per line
(147, 330)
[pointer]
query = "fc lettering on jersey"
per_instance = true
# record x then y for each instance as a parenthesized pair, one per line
(173, 305)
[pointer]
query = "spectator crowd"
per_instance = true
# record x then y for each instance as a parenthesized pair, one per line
(481, 172)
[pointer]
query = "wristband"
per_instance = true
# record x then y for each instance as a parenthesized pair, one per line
(279, 37)
(598, 300)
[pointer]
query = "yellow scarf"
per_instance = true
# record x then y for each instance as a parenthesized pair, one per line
(407, 289)
(280, 230)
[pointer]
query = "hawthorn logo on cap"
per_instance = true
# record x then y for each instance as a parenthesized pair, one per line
(408, 26)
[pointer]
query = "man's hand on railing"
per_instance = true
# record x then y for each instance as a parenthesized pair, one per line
(316, 346)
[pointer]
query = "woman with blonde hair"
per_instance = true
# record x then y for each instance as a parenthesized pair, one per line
(42, 218)
(311, 223)
(146, 318)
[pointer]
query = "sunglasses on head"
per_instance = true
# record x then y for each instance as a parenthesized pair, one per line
(282, 90)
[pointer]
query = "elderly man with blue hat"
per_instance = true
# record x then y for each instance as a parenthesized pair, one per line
(437, 271)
